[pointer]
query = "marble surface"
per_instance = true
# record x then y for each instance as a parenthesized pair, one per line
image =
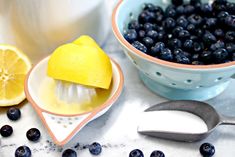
(117, 129)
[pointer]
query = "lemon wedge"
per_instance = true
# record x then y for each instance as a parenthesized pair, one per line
(82, 62)
(14, 66)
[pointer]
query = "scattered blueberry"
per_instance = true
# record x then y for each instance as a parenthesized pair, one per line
(23, 151)
(207, 150)
(69, 153)
(6, 131)
(13, 113)
(33, 134)
(157, 153)
(136, 153)
(95, 148)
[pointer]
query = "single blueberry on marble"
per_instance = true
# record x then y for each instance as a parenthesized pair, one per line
(95, 148)
(157, 153)
(136, 153)
(6, 131)
(23, 151)
(69, 153)
(33, 134)
(13, 113)
(207, 150)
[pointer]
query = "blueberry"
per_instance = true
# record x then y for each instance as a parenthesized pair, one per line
(157, 48)
(130, 35)
(206, 57)
(230, 21)
(207, 149)
(194, 38)
(136, 153)
(230, 7)
(191, 27)
(199, 32)
(23, 151)
(195, 57)
(195, 20)
(170, 12)
(181, 52)
(161, 35)
(134, 24)
(183, 34)
(157, 153)
(138, 45)
(146, 16)
(166, 54)
(13, 113)
(182, 21)
(230, 36)
(148, 26)
(159, 18)
(180, 58)
(169, 23)
(148, 42)
(6, 131)
(169, 37)
(69, 153)
(33, 134)
(209, 38)
(95, 148)
(149, 7)
(219, 33)
(230, 47)
(189, 9)
(176, 30)
(219, 6)
(220, 55)
(233, 57)
(141, 34)
(188, 44)
(217, 45)
(222, 16)
(177, 2)
(160, 28)
(211, 23)
(195, 2)
(174, 43)
(180, 10)
(152, 34)
(197, 47)
(206, 9)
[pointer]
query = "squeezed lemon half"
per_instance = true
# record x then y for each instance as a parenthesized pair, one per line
(14, 66)
(82, 62)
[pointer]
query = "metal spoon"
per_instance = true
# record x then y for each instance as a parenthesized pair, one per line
(206, 112)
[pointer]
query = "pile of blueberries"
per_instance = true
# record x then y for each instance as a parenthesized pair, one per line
(188, 33)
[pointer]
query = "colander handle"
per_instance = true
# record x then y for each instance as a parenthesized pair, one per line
(226, 120)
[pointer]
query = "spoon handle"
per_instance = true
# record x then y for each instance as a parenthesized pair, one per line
(226, 120)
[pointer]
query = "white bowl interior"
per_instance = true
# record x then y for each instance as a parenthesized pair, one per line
(38, 74)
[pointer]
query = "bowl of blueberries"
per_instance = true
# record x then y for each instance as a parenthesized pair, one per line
(183, 49)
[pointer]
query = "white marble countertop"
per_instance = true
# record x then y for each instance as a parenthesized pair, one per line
(117, 129)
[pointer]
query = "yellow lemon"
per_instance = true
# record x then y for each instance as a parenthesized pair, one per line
(14, 66)
(88, 41)
(84, 63)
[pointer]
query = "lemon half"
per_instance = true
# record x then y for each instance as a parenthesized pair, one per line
(14, 66)
(83, 62)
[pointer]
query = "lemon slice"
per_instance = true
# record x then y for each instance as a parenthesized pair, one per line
(83, 63)
(14, 65)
